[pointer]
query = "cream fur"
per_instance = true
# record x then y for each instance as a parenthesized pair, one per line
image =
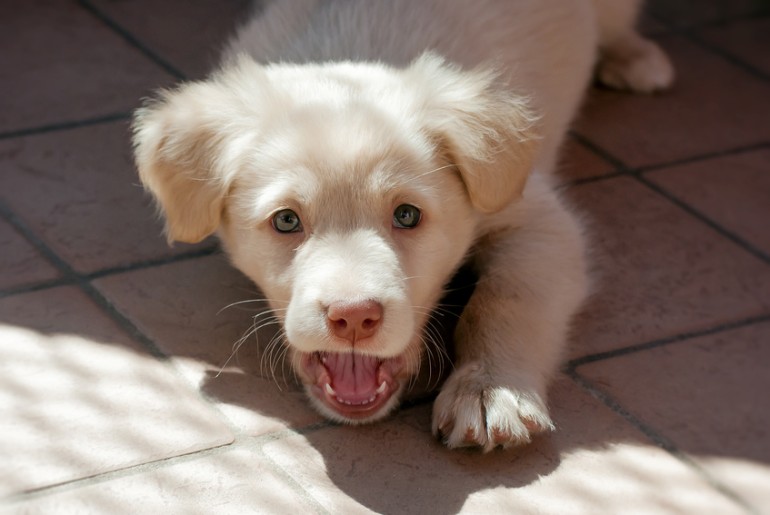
(341, 111)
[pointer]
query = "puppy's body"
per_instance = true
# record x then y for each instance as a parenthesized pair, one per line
(351, 179)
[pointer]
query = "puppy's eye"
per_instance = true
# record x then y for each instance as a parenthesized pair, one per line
(406, 216)
(286, 221)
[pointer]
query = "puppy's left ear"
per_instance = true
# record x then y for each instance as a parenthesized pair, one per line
(486, 131)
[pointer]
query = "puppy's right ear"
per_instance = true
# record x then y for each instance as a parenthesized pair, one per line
(487, 132)
(179, 148)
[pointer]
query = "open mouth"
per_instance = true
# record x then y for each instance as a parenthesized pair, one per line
(353, 385)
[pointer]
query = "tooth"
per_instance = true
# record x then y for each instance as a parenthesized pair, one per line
(382, 388)
(329, 389)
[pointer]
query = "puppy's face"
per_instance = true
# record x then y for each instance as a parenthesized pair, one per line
(351, 226)
(348, 193)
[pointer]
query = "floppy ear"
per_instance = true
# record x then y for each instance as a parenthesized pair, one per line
(487, 132)
(180, 154)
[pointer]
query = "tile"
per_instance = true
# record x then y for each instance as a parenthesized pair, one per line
(197, 311)
(67, 65)
(696, 12)
(79, 192)
(237, 482)
(593, 463)
(709, 396)
(659, 271)
(20, 263)
(748, 40)
(79, 398)
(734, 191)
(187, 34)
(713, 106)
(578, 162)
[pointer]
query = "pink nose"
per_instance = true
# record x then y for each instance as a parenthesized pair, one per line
(354, 320)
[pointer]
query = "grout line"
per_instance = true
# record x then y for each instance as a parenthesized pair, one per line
(42, 248)
(616, 170)
(130, 470)
(131, 39)
(294, 484)
(599, 151)
(33, 287)
(658, 439)
(591, 179)
(725, 55)
(637, 174)
(211, 250)
(689, 32)
(123, 322)
(256, 443)
(611, 403)
(622, 169)
(663, 342)
(61, 126)
(744, 149)
(703, 218)
(150, 263)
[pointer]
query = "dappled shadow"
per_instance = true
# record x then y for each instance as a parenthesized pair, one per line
(178, 307)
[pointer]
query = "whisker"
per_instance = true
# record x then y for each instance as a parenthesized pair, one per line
(413, 379)
(430, 343)
(238, 303)
(236, 346)
(435, 343)
(265, 355)
(259, 321)
(275, 346)
(282, 364)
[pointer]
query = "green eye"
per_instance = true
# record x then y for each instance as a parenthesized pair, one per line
(286, 221)
(406, 216)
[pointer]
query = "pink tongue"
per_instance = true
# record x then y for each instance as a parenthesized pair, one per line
(353, 376)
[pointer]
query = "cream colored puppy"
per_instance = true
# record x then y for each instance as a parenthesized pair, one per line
(352, 155)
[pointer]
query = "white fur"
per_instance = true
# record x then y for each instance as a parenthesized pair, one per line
(341, 111)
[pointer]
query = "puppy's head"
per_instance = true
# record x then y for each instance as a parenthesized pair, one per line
(349, 193)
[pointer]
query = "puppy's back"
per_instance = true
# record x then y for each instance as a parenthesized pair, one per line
(397, 31)
(539, 45)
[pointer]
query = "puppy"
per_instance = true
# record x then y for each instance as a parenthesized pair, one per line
(351, 156)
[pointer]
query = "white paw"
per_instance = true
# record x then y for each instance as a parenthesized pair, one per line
(474, 411)
(642, 67)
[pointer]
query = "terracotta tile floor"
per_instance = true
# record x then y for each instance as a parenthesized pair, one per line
(116, 392)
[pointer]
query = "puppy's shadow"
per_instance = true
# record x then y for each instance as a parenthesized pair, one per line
(369, 463)
(397, 466)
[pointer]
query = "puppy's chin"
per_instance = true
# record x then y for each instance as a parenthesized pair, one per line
(351, 387)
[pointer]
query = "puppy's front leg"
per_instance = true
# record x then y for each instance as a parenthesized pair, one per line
(509, 339)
